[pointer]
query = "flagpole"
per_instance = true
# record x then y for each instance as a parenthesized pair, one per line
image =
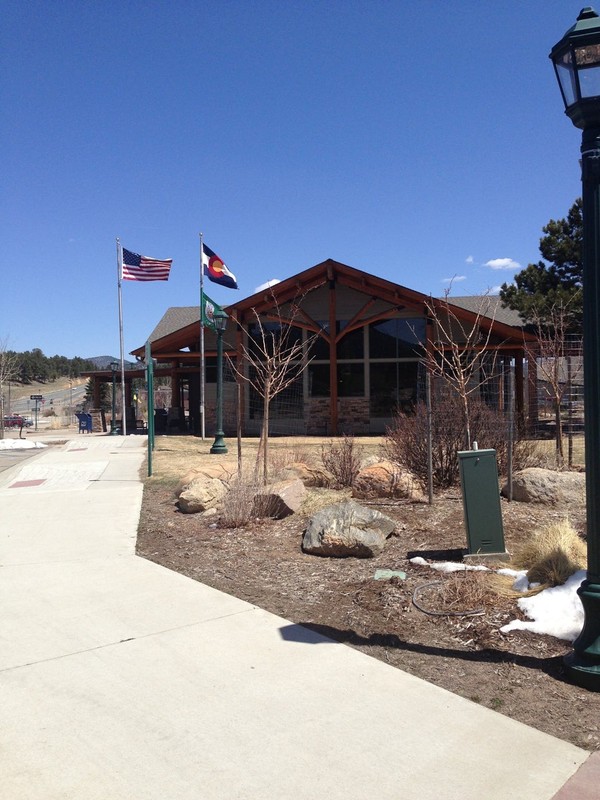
(122, 349)
(202, 386)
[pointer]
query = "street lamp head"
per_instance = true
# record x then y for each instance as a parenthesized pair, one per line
(220, 319)
(576, 60)
(114, 366)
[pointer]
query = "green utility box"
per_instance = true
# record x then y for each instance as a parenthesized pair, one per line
(481, 502)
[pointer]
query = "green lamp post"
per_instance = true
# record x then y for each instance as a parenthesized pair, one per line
(576, 60)
(220, 321)
(113, 428)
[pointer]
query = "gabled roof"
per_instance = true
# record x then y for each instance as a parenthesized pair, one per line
(176, 320)
(330, 270)
(490, 306)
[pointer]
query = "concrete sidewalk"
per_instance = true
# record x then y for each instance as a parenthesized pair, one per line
(121, 679)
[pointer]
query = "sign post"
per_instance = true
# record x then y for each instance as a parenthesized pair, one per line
(37, 398)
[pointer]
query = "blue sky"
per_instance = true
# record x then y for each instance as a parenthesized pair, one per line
(415, 140)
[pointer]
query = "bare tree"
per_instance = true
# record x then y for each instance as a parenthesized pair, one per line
(459, 351)
(275, 359)
(558, 355)
(8, 372)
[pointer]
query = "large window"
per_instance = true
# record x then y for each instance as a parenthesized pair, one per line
(393, 387)
(350, 380)
(272, 332)
(396, 338)
(350, 346)
(350, 353)
(318, 380)
(394, 348)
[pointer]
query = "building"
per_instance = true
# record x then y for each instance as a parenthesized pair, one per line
(364, 338)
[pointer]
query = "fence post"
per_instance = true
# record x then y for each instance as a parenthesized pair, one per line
(511, 428)
(429, 437)
(570, 410)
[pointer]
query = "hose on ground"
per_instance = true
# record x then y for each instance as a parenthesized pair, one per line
(474, 613)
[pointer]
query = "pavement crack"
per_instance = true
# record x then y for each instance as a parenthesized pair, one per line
(106, 645)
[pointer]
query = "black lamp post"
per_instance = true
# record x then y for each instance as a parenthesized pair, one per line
(113, 428)
(220, 318)
(576, 60)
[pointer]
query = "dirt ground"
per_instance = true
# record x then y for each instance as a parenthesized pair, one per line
(519, 674)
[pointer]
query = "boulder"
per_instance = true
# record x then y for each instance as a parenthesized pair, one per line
(279, 500)
(309, 475)
(536, 485)
(385, 479)
(368, 461)
(347, 529)
(224, 472)
(201, 494)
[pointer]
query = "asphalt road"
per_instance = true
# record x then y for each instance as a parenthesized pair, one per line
(59, 397)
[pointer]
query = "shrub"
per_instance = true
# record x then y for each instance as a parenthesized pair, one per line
(341, 460)
(405, 442)
(239, 501)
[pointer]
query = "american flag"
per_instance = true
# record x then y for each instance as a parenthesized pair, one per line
(141, 268)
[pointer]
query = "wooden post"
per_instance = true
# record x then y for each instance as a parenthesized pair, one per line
(333, 385)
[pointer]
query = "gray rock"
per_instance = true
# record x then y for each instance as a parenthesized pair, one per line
(347, 529)
(536, 485)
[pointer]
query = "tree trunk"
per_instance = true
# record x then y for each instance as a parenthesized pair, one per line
(560, 453)
(570, 412)
(239, 428)
(465, 402)
(266, 401)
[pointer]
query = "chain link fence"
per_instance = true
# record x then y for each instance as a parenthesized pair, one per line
(545, 429)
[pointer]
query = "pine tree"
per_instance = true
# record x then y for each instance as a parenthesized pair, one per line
(556, 282)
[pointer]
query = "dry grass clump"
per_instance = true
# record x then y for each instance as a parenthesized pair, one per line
(245, 502)
(552, 555)
(321, 497)
(238, 505)
(461, 593)
(280, 459)
(464, 591)
(342, 460)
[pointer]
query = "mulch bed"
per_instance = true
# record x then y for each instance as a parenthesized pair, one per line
(519, 674)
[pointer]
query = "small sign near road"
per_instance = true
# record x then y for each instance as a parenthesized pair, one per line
(36, 396)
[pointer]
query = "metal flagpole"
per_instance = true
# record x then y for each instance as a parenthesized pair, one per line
(119, 281)
(202, 387)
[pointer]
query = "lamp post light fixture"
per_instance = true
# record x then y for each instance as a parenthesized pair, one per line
(113, 428)
(576, 60)
(220, 318)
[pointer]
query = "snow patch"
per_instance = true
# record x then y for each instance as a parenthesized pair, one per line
(20, 444)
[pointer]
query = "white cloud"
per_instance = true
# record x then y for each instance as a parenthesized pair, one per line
(495, 289)
(454, 279)
(267, 285)
(502, 263)
(469, 260)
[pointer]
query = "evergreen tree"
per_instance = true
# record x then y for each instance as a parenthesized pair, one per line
(556, 282)
(105, 395)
